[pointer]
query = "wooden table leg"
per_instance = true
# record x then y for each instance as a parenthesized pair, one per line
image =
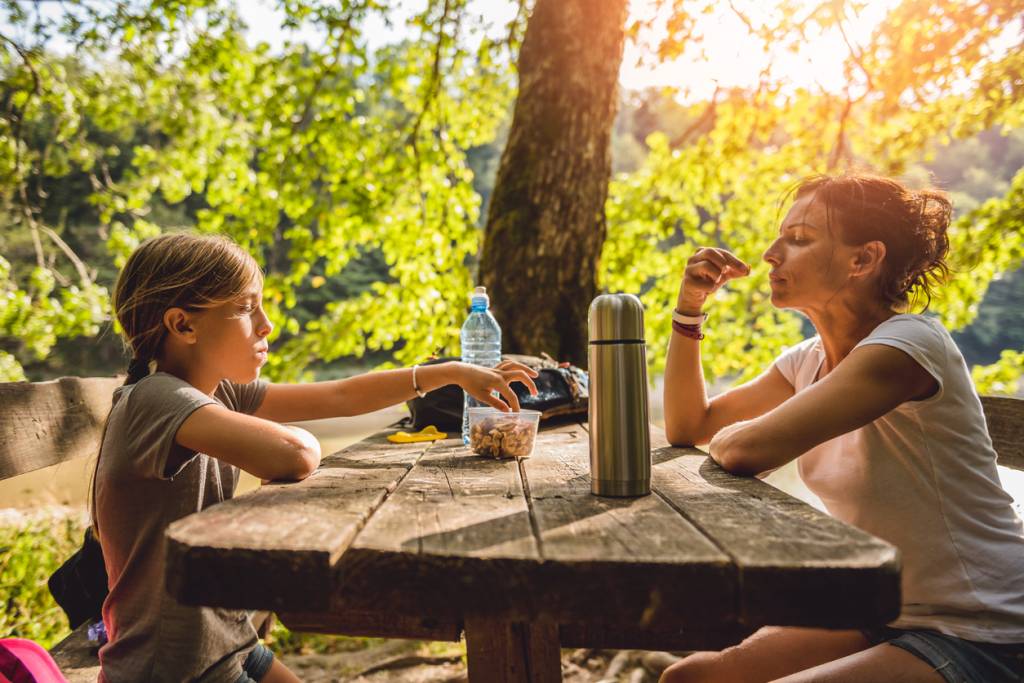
(512, 652)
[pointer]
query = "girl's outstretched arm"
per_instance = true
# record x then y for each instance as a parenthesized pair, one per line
(375, 390)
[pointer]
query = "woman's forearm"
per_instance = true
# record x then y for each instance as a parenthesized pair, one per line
(685, 395)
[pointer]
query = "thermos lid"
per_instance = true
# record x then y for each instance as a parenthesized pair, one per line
(616, 317)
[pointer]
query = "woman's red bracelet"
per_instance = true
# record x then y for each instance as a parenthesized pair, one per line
(691, 331)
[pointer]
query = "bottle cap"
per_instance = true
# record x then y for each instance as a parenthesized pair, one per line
(479, 298)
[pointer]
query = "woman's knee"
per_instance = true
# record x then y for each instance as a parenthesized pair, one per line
(699, 667)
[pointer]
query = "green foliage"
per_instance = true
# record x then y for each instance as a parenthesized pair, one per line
(720, 178)
(31, 310)
(29, 552)
(348, 170)
(1000, 321)
(1002, 377)
(307, 157)
(284, 642)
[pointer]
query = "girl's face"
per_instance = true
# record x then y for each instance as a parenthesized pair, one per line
(233, 336)
(809, 265)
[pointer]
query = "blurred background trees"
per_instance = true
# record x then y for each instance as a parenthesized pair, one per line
(354, 148)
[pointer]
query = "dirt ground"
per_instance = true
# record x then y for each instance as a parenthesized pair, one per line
(411, 662)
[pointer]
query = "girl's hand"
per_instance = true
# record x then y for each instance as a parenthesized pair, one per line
(706, 271)
(479, 382)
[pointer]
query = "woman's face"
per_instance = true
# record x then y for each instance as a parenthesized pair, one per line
(232, 337)
(809, 266)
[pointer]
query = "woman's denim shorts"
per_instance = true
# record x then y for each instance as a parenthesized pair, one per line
(257, 664)
(955, 659)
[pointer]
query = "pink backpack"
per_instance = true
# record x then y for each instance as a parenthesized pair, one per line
(22, 661)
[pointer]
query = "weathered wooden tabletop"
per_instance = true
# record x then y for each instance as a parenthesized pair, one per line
(427, 541)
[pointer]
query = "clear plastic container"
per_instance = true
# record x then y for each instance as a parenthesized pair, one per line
(496, 434)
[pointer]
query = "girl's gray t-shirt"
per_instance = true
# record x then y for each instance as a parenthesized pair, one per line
(144, 482)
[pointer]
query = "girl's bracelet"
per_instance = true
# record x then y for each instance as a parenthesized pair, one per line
(415, 384)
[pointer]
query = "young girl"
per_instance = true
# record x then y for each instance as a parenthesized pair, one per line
(880, 412)
(191, 414)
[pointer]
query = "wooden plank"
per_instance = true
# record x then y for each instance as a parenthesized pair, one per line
(45, 423)
(1005, 418)
(454, 536)
(373, 624)
(632, 561)
(457, 537)
(797, 565)
(275, 548)
(77, 658)
(512, 652)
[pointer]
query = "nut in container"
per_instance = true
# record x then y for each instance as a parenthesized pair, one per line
(497, 434)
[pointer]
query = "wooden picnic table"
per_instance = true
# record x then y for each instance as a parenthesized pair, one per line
(429, 541)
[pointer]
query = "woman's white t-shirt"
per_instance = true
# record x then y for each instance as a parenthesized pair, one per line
(923, 477)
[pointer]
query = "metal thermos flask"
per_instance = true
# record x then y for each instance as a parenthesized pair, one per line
(620, 436)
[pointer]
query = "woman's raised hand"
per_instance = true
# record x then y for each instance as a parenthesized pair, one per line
(479, 382)
(706, 271)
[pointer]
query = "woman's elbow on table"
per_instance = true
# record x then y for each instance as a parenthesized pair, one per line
(734, 463)
(729, 450)
(680, 436)
(678, 439)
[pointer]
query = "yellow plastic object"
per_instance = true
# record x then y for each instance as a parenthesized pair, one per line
(428, 433)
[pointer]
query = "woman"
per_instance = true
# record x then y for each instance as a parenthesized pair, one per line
(889, 431)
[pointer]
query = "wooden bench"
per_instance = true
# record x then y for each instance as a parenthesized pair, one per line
(1005, 418)
(48, 423)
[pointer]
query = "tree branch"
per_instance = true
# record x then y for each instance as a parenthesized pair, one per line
(744, 18)
(434, 82)
(840, 145)
(16, 118)
(706, 116)
(855, 54)
(513, 26)
(83, 272)
(307, 109)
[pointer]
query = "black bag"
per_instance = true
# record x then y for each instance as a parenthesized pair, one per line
(80, 584)
(562, 389)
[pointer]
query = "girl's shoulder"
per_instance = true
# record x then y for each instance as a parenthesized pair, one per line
(144, 405)
(159, 387)
(144, 420)
(163, 391)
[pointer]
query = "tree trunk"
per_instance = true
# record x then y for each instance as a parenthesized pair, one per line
(546, 222)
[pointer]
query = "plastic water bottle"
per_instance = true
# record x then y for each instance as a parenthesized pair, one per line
(481, 345)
